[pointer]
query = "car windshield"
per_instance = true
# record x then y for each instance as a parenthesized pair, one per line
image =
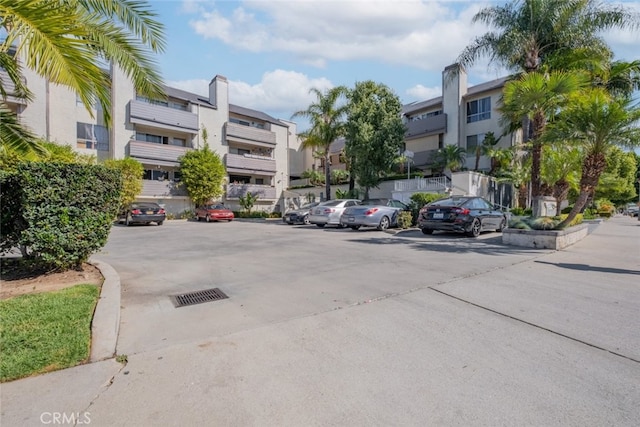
(217, 207)
(309, 205)
(374, 202)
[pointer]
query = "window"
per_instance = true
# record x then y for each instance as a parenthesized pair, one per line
(180, 142)
(177, 176)
(260, 181)
(239, 179)
(164, 103)
(473, 141)
(480, 109)
(93, 137)
(440, 140)
(155, 174)
(242, 151)
(156, 139)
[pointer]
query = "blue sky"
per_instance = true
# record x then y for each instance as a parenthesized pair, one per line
(273, 51)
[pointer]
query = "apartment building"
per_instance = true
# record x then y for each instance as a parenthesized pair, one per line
(462, 116)
(254, 146)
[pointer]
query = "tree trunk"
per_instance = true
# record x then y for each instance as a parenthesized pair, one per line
(560, 192)
(592, 168)
(327, 174)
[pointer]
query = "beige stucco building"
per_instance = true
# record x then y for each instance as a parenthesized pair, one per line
(257, 149)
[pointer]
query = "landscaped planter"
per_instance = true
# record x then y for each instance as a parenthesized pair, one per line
(545, 239)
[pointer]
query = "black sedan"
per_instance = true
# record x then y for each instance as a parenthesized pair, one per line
(143, 213)
(464, 214)
(299, 216)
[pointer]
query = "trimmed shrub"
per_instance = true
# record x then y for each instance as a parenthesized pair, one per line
(418, 200)
(58, 214)
(405, 219)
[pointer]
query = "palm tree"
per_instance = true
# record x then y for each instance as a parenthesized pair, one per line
(67, 43)
(485, 148)
(529, 33)
(596, 122)
(326, 119)
(561, 170)
(538, 96)
(450, 157)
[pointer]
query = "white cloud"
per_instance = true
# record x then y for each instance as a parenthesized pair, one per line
(279, 92)
(421, 93)
(423, 34)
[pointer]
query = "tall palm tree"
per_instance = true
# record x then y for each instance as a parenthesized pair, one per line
(596, 122)
(326, 120)
(530, 32)
(538, 96)
(66, 42)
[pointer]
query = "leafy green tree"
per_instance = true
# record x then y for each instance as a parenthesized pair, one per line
(538, 96)
(67, 43)
(485, 148)
(131, 171)
(450, 157)
(339, 176)
(528, 34)
(314, 176)
(618, 180)
(596, 122)
(326, 119)
(374, 132)
(203, 174)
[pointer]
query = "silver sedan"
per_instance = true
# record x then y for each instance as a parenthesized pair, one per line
(328, 213)
(379, 213)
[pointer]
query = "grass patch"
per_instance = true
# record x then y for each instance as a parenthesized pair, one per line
(46, 332)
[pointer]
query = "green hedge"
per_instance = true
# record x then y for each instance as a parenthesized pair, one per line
(58, 214)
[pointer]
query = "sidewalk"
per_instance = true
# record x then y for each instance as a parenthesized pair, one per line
(552, 340)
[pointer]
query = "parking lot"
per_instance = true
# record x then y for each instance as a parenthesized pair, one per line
(338, 327)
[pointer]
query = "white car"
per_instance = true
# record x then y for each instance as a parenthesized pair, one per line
(328, 213)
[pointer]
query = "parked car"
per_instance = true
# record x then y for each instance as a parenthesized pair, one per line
(379, 213)
(299, 216)
(142, 213)
(217, 212)
(631, 209)
(328, 213)
(464, 214)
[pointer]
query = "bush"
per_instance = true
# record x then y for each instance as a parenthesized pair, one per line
(418, 200)
(58, 214)
(517, 211)
(543, 223)
(346, 194)
(405, 220)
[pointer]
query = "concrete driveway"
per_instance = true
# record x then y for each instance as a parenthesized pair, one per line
(338, 327)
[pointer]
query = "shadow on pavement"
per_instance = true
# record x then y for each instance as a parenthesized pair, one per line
(586, 267)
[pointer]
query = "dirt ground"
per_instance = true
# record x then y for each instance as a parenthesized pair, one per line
(17, 280)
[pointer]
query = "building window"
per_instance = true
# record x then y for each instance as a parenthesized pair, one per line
(480, 109)
(156, 139)
(260, 181)
(155, 174)
(239, 179)
(246, 123)
(177, 176)
(242, 151)
(440, 140)
(473, 141)
(164, 103)
(92, 137)
(180, 142)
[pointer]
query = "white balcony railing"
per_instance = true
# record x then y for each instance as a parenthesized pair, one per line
(423, 184)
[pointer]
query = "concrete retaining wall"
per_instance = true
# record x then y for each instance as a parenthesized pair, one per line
(544, 239)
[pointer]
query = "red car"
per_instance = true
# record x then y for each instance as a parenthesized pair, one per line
(214, 213)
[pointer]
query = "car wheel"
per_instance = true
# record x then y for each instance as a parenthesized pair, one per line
(384, 223)
(207, 219)
(474, 231)
(354, 227)
(320, 225)
(160, 222)
(127, 220)
(305, 220)
(426, 231)
(503, 225)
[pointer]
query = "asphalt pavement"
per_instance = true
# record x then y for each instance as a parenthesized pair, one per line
(342, 327)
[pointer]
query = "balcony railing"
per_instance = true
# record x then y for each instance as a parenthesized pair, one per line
(162, 188)
(249, 134)
(148, 114)
(149, 150)
(264, 192)
(428, 126)
(251, 163)
(437, 184)
(10, 89)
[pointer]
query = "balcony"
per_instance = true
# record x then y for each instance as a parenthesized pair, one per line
(162, 189)
(434, 185)
(10, 89)
(143, 113)
(425, 127)
(264, 192)
(249, 135)
(151, 151)
(251, 164)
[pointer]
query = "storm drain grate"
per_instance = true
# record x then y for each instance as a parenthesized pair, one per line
(198, 297)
